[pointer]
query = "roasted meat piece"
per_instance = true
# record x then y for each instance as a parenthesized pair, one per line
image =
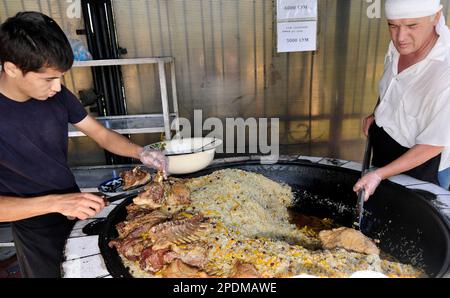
(168, 193)
(152, 260)
(134, 177)
(182, 231)
(194, 254)
(349, 239)
(178, 269)
(141, 223)
(134, 211)
(244, 270)
(152, 197)
(178, 194)
(130, 248)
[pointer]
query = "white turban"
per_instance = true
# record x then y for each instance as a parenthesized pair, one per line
(411, 9)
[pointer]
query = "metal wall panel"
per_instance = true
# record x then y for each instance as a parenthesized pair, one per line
(227, 66)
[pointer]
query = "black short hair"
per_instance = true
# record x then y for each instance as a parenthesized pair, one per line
(32, 40)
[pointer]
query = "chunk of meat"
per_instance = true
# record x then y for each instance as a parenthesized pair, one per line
(182, 231)
(244, 270)
(177, 269)
(134, 210)
(194, 254)
(134, 177)
(349, 239)
(141, 223)
(178, 194)
(152, 260)
(156, 195)
(130, 248)
(152, 196)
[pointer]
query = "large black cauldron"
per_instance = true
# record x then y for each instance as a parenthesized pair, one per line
(405, 221)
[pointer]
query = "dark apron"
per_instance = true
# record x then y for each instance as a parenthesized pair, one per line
(40, 241)
(386, 150)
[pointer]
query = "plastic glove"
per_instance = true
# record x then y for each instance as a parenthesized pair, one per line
(155, 159)
(369, 182)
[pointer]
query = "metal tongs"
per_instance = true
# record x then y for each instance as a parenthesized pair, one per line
(159, 177)
(362, 191)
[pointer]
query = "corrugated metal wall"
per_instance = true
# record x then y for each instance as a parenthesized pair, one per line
(227, 66)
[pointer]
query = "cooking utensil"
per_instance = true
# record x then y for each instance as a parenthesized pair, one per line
(362, 191)
(122, 195)
(114, 186)
(96, 226)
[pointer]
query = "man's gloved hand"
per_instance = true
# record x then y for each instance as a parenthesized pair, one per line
(369, 182)
(155, 159)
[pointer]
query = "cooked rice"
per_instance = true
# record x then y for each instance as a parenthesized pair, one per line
(250, 223)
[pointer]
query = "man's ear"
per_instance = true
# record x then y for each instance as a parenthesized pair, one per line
(437, 17)
(11, 70)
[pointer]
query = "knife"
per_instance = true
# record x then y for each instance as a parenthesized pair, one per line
(362, 192)
(121, 196)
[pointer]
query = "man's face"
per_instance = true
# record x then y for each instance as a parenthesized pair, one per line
(41, 85)
(412, 35)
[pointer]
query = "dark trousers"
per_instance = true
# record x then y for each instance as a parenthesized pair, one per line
(39, 243)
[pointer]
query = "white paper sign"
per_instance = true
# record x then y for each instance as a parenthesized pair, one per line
(297, 36)
(296, 9)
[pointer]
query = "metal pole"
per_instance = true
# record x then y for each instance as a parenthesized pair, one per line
(174, 96)
(165, 102)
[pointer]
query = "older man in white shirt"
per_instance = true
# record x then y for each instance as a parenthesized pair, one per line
(410, 128)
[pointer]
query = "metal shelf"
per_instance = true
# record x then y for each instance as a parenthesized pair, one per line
(112, 62)
(148, 123)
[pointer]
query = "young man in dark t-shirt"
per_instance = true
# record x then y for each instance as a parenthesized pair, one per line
(38, 192)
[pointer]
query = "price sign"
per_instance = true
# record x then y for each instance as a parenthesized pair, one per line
(297, 36)
(289, 10)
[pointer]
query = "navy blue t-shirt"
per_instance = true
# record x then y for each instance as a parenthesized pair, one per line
(34, 144)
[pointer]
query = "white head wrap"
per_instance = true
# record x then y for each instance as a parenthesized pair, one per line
(410, 9)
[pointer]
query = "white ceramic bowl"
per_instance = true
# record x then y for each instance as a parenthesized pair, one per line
(189, 155)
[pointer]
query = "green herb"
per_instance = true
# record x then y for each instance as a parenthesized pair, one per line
(159, 146)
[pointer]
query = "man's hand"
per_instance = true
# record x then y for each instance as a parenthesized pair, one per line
(367, 123)
(77, 205)
(155, 159)
(369, 182)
